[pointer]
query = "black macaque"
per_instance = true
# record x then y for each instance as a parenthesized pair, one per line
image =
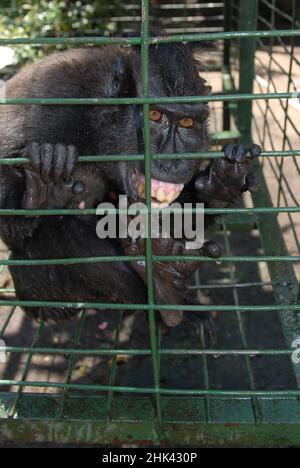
(53, 137)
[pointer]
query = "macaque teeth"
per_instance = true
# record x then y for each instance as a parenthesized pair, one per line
(163, 192)
(159, 205)
(160, 194)
(141, 189)
(171, 197)
(162, 197)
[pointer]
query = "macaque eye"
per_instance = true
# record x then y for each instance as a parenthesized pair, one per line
(155, 115)
(187, 122)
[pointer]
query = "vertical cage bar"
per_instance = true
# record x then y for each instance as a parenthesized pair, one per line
(205, 373)
(286, 108)
(269, 71)
(148, 164)
(72, 360)
(248, 22)
(226, 62)
(14, 406)
(114, 367)
(7, 320)
(205, 376)
(258, 415)
(273, 242)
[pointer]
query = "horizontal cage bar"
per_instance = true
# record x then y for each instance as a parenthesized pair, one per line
(160, 258)
(147, 352)
(161, 391)
(147, 100)
(93, 211)
(154, 40)
(140, 157)
(146, 307)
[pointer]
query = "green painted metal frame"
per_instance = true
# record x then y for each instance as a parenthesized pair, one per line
(185, 422)
(165, 415)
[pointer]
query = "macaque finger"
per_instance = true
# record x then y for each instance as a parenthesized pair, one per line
(71, 161)
(255, 151)
(60, 156)
(46, 162)
(32, 152)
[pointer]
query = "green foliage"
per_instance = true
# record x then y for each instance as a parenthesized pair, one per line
(54, 18)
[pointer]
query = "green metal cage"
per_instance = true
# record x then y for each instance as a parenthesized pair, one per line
(173, 389)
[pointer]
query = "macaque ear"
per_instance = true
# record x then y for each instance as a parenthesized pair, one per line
(204, 89)
(122, 82)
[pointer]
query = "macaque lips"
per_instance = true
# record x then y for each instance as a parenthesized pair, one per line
(162, 193)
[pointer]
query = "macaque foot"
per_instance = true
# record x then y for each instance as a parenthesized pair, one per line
(52, 162)
(230, 176)
(170, 278)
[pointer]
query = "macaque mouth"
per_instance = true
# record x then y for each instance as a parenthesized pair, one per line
(162, 193)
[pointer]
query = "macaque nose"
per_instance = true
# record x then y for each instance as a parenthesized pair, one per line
(170, 171)
(165, 165)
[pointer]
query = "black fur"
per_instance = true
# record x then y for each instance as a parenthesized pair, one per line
(53, 136)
